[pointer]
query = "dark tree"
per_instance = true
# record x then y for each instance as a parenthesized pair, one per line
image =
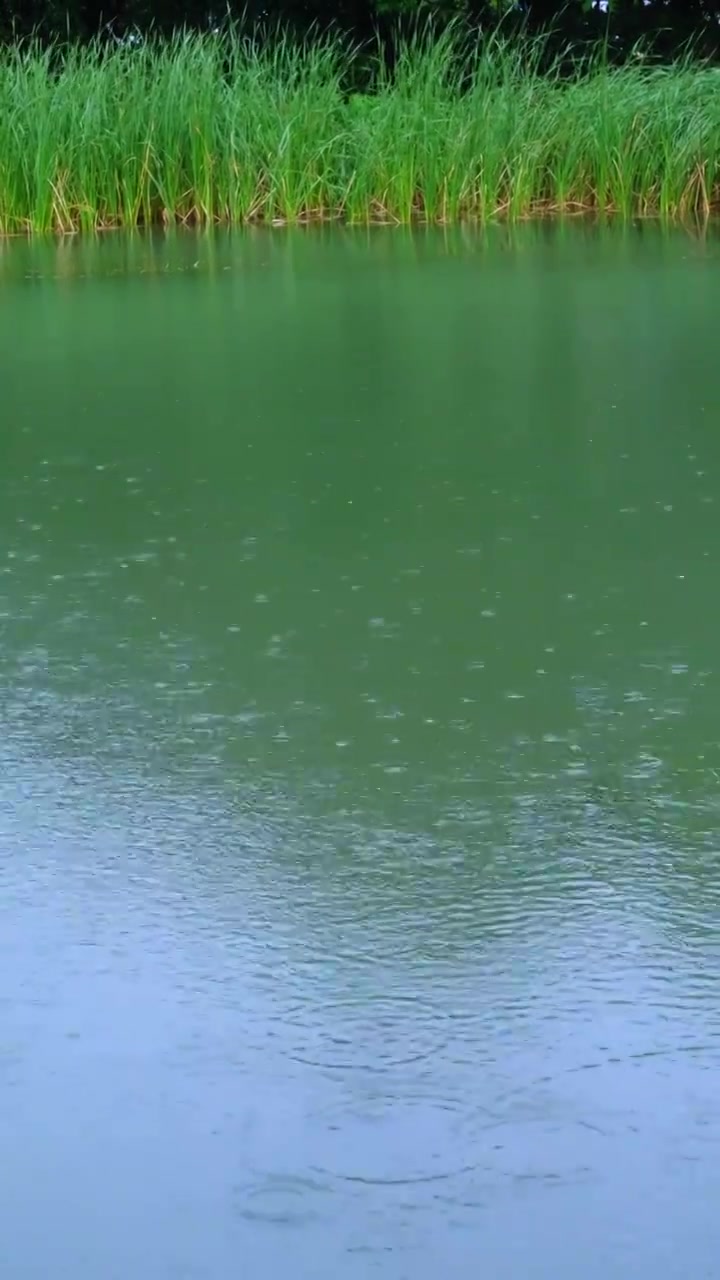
(668, 24)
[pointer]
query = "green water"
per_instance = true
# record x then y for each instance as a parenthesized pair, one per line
(360, 765)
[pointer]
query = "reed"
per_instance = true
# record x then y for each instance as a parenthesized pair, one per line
(205, 129)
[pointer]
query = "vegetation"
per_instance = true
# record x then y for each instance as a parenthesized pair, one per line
(206, 128)
(667, 23)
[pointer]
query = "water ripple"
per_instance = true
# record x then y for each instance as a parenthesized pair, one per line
(364, 1033)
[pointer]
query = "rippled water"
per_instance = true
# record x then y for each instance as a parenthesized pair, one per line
(359, 771)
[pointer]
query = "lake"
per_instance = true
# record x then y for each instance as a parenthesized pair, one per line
(360, 763)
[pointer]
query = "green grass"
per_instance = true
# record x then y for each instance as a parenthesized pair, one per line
(207, 129)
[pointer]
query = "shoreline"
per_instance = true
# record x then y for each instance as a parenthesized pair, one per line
(590, 214)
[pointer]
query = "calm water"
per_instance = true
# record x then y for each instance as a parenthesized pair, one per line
(360, 762)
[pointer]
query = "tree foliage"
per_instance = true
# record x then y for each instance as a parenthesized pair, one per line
(668, 25)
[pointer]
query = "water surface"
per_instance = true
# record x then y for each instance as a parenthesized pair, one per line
(359, 768)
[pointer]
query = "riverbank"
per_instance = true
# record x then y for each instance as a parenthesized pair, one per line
(207, 129)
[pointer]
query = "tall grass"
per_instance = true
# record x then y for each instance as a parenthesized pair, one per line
(210, 129)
